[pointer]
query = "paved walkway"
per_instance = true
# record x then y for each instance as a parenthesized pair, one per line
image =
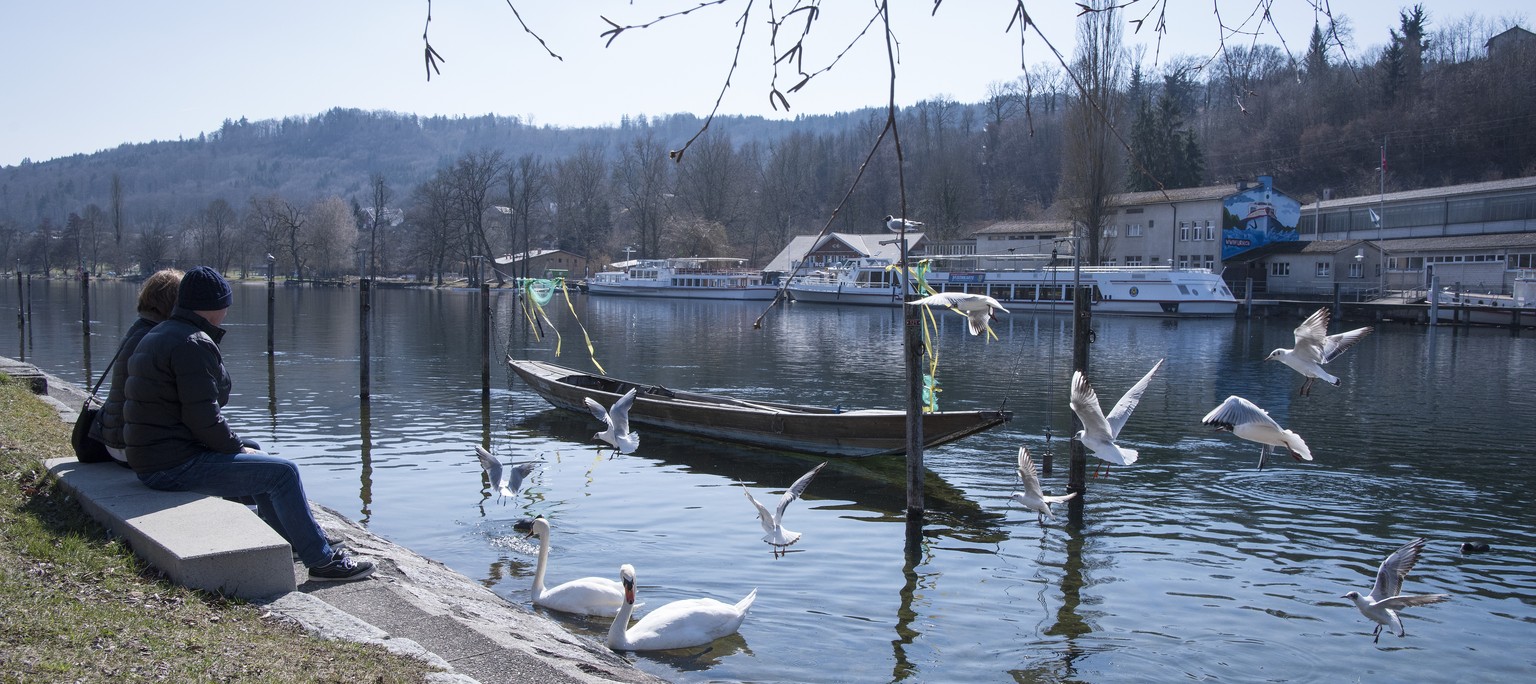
(420, 607)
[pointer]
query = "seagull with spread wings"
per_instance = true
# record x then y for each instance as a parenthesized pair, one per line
(616, 422)
(1315, 348)
(774, 533)
(1099, 431)
(1385, 599)
(977, 308)
(505, 481)
(1246, 420)
(1033, 497)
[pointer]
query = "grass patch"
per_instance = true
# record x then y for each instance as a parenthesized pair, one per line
(76, 606)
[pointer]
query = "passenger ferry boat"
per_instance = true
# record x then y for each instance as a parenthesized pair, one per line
(689, 278)
(1125, 290)
(1452, 306)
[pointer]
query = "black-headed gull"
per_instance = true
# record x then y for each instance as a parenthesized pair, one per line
(977, 308)
(504, 481)
(895, 225)
(1384, 601)
(599, 596)
(616, 422)
(1246, 420)
(773, 521)
(1100, 432)
(1033, 497)
(1315, 347)
(679, 624)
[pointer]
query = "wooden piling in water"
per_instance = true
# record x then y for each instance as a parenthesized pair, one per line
(485, 337)
(365, 315)
(21, 316)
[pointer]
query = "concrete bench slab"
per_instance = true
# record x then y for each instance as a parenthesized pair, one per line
(198, 541)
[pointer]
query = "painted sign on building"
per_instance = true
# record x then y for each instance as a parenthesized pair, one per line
(1257, 216)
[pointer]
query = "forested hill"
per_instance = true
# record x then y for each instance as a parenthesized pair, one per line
(332, 154)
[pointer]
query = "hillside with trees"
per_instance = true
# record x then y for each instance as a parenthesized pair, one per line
(355, 192)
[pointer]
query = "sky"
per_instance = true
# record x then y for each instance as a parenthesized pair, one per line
(88, 75)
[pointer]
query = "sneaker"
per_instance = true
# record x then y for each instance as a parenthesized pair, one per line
(341, 569)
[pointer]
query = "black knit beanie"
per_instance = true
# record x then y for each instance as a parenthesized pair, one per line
(203, 289)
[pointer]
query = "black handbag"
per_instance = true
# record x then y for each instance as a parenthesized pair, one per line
(87, 448)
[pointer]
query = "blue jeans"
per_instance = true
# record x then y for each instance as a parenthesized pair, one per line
(273, 483)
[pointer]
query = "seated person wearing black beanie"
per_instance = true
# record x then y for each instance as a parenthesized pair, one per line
(177, 439)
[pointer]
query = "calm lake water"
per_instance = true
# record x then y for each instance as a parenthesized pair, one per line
(1189, 565)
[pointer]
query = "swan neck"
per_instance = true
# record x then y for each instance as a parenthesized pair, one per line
(618, 632)
(538, 570)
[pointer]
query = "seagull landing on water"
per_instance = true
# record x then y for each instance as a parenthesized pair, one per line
(1099, 432)
(1246, 420)
(1382, 604)
(1033, 497)
(616, 421)
(896, 225)
(774, 533)
(1315, 347)
(506, 482)
(976, 307)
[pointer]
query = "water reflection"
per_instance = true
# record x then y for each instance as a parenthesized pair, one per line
(1195, 566)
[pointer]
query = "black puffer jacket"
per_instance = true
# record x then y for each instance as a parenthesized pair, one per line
(176, 386)
(108, 428)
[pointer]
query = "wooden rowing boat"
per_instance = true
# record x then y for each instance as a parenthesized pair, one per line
(788, 427)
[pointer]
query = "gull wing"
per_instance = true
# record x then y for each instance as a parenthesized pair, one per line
(1237, 411)
(1312, 335)
(1401, 602)
(618, 414)
(1389, 578)
(795, 490)
(763, 516)
(1127, 403)
(598, 411)
(1334, 345)
(1028, 475)
(1085, 403)
(492, 467)
(517, 473)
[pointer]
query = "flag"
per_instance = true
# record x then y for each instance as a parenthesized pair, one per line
(1375, 218)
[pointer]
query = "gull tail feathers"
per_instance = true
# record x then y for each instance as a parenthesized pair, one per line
(1297, 446)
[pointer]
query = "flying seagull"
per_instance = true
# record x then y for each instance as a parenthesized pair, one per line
(1100, 432)
(1032, 497)
(505, 481)
(896, 225)
(976, 307)
(1315, 347)
(1246, 420)
(1384, 601)
(773, 522)
(616, 419)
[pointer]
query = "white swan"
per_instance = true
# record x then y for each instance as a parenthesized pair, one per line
(598, 596)
(616, 422)
(774, 533)
(1315, 347)
(679, 624)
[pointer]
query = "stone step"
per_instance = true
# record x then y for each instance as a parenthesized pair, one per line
(198, 541)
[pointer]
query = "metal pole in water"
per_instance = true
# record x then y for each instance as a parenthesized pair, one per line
(485, 328)
(912, 348)
(1082, 318)
(271, 300)
(21, 314)
(365, 314)
(1434, 300)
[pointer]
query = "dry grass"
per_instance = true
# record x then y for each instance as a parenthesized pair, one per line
(76, 606)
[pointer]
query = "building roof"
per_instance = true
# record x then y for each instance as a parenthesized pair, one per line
(531, 254)
(1025, 228)
(1447, 192)
(1136, 199)
(868, 245)
(1462, 243)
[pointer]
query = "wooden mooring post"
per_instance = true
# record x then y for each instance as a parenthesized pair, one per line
(21, 315)
(365, 317)
(271, 307)
(485, 338)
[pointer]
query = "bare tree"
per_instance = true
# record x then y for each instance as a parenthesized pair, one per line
(583, 218)
(331, 234)
(642, 184)
(381, 196)
(527, 183)
(472, 178)
(432, 214)
(1089, 159)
